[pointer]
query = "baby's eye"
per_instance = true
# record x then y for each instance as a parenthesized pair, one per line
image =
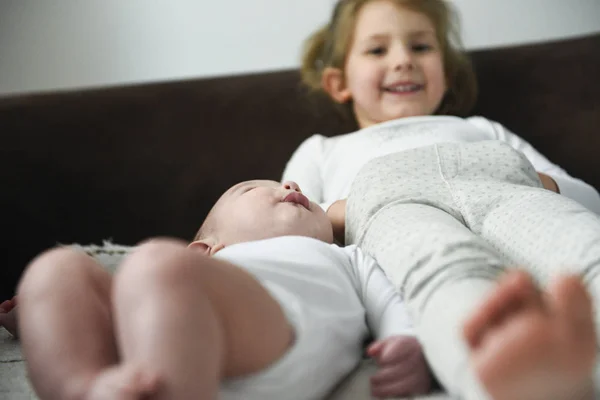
(377, 51)
(420, 48)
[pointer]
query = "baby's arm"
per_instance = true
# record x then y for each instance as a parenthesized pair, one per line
(403, 369)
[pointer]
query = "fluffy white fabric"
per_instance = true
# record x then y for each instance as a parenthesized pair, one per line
(108, 254)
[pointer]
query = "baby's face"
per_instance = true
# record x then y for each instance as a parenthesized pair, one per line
(256, 210)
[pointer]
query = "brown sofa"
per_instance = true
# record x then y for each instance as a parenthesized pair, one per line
(136, 161)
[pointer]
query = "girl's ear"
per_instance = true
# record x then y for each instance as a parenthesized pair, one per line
(334, 84)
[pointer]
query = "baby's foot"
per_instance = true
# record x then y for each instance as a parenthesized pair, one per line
(527, 346)
(8, 316)
(123, 383)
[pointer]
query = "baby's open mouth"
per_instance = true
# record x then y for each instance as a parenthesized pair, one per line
(297, 198)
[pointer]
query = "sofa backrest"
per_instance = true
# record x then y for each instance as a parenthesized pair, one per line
(136, 161)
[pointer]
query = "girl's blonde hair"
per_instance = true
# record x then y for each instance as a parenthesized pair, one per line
(329, 46)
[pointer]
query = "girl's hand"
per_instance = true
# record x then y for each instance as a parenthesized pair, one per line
(402, 370)
(337, 215)
(8, 316)
(548, 182)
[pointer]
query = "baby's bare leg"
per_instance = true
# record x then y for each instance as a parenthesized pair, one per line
(192, 321)
(65, 323)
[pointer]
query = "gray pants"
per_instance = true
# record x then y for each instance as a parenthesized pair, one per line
(445, 221)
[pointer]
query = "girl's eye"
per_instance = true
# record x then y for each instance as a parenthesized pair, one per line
(419, 48)
(377, 51)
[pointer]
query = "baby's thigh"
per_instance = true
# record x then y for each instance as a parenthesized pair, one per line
(250, 319)
(310, 369)
(60, 271)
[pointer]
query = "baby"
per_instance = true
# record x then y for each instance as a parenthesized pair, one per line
(261, 305)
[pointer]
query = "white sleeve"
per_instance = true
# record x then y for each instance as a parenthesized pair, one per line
(304, 168)
(387, 314)
(569, 186)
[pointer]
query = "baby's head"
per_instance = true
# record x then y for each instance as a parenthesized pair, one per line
(391, 59)
(256, 210)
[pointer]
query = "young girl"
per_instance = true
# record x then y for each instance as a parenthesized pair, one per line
(397, 68)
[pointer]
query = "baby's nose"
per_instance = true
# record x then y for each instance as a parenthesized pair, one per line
(291, 185)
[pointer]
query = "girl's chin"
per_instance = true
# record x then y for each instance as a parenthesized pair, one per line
(406, 113)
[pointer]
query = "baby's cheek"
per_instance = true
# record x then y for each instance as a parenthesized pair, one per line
(247, 221)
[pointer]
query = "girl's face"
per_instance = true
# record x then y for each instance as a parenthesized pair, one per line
(394, 67)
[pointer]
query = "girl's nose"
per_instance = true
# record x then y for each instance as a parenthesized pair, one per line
(403, 60)
(291, 185)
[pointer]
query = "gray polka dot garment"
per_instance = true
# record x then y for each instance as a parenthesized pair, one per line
(445, 221)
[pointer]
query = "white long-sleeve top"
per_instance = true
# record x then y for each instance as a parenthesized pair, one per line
(325, 167)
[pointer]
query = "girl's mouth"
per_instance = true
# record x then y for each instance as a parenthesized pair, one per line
(403, 88)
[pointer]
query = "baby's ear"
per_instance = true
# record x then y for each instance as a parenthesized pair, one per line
(334, 84)
(206, 246)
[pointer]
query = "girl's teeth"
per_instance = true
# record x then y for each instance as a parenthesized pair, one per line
(404, 88)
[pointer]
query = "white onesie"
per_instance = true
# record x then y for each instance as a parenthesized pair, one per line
(332, 296)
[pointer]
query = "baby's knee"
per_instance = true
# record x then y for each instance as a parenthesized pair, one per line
(158, 262)
(153, 254)
(55, 267)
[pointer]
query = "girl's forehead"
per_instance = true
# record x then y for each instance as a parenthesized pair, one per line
(378, 17)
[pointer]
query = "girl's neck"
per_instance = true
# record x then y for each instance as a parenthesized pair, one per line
(406, 120)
